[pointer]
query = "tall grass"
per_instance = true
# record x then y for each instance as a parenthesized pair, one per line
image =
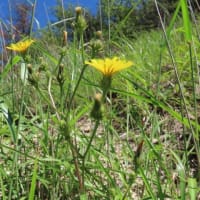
(146, 146)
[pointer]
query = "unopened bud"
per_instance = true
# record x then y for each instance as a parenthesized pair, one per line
(78, 10)
(96, 112)
(99, 34)
(80, 23)
(30, 70)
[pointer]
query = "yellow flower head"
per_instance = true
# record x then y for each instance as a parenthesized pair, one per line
(21, 46)
(109, 66)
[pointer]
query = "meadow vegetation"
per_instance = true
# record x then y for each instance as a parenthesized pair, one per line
(70, 129)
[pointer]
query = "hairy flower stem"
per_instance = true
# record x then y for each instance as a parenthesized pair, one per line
(97, 122)
(88, 148)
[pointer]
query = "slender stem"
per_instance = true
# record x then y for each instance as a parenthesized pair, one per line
(77, 85)
(195, 133)
(97, 122)
(32, 16)
(81, 74)
(91, 138)
(17, 139)
(76, 164)
(52, 100)
(73, 147)
(88, 147)
(175, 68)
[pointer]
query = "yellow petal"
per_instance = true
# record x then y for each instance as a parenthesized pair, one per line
(109, 66)
(21, 46)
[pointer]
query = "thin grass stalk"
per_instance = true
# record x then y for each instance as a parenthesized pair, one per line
(3, 44)
(11, 33)
(10, 17)
(17, 142)
(196, 132)
(87, 150)
(198, 5)
(188, 37)
(33, 181)
(12, 84)
(147, 184)
(32, 16)
(194, 20)
(127, 117)
(91, 139)
(100, 16)
(159, 74)
(77, 85)
(74, 147)
(109, 26)
(63, 15)
(2, 187)
(174, 66)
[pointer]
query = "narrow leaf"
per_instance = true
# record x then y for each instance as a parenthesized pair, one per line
(192, 188)
(186, 20)
(9, 65)
(33, 182)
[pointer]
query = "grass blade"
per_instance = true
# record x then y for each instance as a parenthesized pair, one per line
(9, 65)
(186, 21)
(146, 182)
(182, 175)
(33, 182)
(192, 188)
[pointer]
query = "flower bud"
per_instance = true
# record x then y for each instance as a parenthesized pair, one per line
(29, 67)
(96, 112)
(98, 34)
(78, 10)
(80, 22)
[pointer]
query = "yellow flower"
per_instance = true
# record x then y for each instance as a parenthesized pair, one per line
(109, 66)
(21, 46)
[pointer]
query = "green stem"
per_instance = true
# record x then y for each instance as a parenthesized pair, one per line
(91, 138)
(97, 122)
(88, 148)
(17, 141)
(81, 74)
(195, 133)
(32, 16)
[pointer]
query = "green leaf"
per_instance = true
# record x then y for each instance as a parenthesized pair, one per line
(83, 197)
(146, 182)
(7, 115)
(181, 173)
(192, 188)
(9, 65)
(172, 22)
(186, 21)
(33, 182)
